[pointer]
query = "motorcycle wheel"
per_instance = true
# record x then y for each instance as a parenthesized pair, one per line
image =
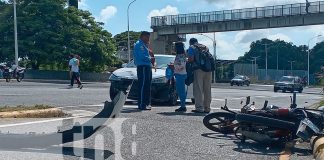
(222, 122)
(266, 121)
(20, 77)
(7, 79)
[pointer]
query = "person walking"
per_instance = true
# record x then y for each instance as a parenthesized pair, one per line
(180, 75)
(202, 79)
(75, 72)
(307, 6)
(144, 58)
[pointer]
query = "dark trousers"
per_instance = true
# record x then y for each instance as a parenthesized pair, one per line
(144, 74)
(75, 76)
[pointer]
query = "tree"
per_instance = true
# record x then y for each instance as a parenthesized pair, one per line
(48, 31)
(317, 58)
(286, 52)
(122, 38)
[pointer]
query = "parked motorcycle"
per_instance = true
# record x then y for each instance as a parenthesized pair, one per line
(9, 73)
(269, 124)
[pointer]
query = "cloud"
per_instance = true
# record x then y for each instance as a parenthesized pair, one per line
(250, 36)
(83, 5)
(107, 13)
(168, 10)
(225, 48)
(280, 36)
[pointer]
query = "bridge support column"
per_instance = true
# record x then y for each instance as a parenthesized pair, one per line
(163, 44)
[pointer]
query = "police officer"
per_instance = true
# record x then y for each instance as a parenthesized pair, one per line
(143, 58)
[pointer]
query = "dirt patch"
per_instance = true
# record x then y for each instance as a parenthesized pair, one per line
(37, 111)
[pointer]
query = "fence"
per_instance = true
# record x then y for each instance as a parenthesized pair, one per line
(268, 75)
(238, 14)
(64, 75)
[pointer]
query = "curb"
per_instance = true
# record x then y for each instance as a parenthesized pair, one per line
(42, 113)
(317, 145)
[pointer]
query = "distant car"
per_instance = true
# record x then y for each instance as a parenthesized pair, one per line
(240, 80)
(161, 91)
(289, 83)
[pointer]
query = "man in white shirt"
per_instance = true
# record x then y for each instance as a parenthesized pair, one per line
(74, 71)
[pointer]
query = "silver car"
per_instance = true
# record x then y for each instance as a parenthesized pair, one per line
(289, 83)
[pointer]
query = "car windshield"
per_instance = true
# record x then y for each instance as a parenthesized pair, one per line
(238, 77)
(286, 79)
(161, 61)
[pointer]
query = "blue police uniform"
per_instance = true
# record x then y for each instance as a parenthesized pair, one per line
(142, 60)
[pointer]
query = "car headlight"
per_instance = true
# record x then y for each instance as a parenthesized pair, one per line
(290, 85)
(159, 80)
(114, 78)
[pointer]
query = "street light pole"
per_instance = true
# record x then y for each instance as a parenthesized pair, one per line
(15, 32)
(128, 39)
(308, 57)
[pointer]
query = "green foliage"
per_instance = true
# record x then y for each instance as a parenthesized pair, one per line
(122, 38)
(286, 52)
(317, 58)
(48, 31)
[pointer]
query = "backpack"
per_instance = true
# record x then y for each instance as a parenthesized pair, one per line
(203, 58)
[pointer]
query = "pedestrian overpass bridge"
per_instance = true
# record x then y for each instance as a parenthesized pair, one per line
(171, 28)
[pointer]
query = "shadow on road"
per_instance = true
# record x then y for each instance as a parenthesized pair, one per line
(250, 147)
(130, 110)
(182, 114)
(69, 152)
(219, 136)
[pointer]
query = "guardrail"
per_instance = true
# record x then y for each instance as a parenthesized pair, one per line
(239, 14)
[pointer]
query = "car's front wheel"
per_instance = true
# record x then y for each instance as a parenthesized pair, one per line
(300, 90)
(173, 97)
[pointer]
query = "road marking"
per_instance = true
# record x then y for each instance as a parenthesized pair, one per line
(37, 122)
(14, 94)
(93, 105)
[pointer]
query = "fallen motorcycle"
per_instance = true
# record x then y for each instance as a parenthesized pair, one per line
(225, 122)
(281, 124)
(270, 124)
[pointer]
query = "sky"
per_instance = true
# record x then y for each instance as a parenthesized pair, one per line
(230, 45)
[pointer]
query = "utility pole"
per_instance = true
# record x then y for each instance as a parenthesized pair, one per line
(255, 65)
(291, 66)
(15, 32)
(277, 60)
(252, 67)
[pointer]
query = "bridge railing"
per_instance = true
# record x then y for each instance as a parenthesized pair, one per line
(238, 14)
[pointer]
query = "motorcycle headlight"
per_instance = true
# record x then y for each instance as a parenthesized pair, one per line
(159, 80)
(114, 78)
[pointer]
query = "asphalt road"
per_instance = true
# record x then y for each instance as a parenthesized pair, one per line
(157, 134)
